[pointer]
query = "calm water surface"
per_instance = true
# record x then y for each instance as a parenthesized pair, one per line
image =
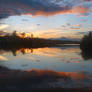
(66, 62)
(67, 59)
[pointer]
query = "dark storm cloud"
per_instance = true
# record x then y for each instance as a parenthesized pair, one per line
(43, 7)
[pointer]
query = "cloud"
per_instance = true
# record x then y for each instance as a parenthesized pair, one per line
(84, 20)
(25, 20)
(69, 26)
(3, 26)
(83, 33)
(80, 10)
(48, 33)
(44, 8)
(74, 28)
(78, 25)
(2, 33)
(88, 0)
(2, 58)
(33, 27)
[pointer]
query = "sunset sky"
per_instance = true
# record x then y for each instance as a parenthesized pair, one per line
(47, 18)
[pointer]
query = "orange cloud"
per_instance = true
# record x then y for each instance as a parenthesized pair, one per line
(74, 10)
(40, 8)
(79, 10)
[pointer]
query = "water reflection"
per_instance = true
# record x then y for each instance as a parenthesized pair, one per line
(44, 67)
(48, 51)
(64, 54)
(22, 50)
(16, 51)
(35, 78)
(86, 55)
(55, 58)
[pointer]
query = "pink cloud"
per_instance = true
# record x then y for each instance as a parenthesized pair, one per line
(46, 8)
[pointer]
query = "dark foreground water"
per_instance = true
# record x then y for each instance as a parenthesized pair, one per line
(62, 67)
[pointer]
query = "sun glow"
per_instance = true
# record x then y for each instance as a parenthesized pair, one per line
(25, 35)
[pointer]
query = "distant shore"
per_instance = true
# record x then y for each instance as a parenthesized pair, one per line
(17, 42)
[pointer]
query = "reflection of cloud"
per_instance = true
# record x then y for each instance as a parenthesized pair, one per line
(74, 75)
(67, 54)
(44, 78)
(2, 58)
(46, 7)
(32, 58)
(55, 52)
(2, 52)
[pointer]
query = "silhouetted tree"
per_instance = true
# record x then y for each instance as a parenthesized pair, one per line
(86, 46)
(86, 42)
(23, 34)
(32, 36)
(14, 34)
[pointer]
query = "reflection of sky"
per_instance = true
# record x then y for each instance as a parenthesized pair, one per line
(68, 60)
(45, 78)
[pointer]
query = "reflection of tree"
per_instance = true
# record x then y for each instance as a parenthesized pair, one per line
(86, 46)
(13, 52)
(31, 50)
(86, 55)
(23, 51)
